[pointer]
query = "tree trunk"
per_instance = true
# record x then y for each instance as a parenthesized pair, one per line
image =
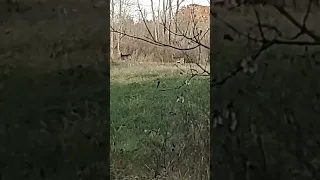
(112, 34)
(159, 18)
(164, 9)
(169, 3)
(176, 15)
(120, 24)
(154, 21)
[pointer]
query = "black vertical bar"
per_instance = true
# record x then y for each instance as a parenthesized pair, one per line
(211, 93)
(27, 150)
(108, 86)
(218, 170)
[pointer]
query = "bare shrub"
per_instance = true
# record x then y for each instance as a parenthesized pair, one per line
(178, 29)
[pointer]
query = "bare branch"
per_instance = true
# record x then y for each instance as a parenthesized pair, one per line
(154, 42)
(144, 21)
(259, 24)
(275, 41)
(240, 68)
(307, 13)
(197, 41)
(304, 29)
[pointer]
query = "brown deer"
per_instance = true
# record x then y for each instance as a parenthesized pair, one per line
(125, 56)
(178, 59)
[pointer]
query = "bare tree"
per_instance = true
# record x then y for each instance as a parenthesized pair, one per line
(154, 20)
(119, 12)
(178, 4)
(189, 39)
(120, 24)
(112, 34)
(164, 16)
(159, 15)
(169, 3)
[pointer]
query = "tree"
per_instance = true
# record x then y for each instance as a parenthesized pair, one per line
(117, 19)
(154, 20)
(111, 34)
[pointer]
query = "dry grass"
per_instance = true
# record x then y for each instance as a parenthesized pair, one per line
(135, 71)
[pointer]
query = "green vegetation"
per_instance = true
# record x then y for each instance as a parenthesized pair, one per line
(152, 132)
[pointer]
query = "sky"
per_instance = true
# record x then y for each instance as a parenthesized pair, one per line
(146, 4)
(201, 2)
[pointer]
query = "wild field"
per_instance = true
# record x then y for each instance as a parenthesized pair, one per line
(158, 132)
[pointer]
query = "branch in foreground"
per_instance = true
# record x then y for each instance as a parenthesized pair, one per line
(240, 68)
(300, 26)
(157, 43)
(275, 41)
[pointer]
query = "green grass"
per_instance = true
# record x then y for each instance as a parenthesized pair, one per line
(148, 122)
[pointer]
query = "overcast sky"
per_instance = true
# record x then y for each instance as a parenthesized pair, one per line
(201, 2)
(146, 4)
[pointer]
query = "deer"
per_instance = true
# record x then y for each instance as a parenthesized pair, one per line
(125, 56)
(178, 59)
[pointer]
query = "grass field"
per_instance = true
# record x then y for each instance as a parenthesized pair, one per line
(153, 133)
(63, 112)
